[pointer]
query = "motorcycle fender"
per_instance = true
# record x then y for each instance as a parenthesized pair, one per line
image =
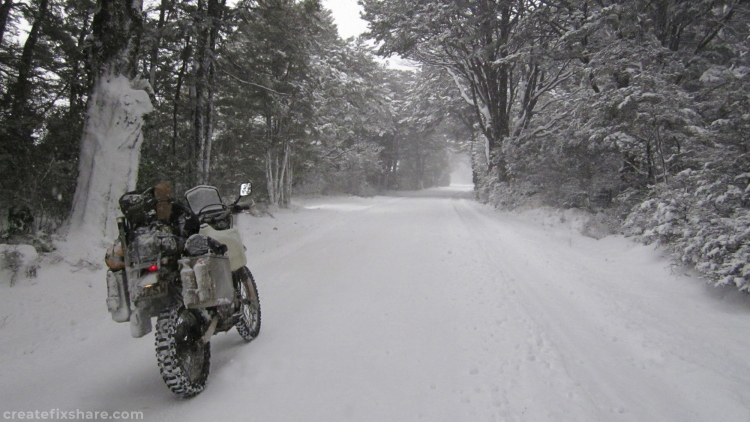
(140, 323)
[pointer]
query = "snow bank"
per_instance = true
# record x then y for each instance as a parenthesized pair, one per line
(596, 226)
(17, 261)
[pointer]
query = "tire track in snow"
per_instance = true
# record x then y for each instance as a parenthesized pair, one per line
(609, 339)
(535, 384)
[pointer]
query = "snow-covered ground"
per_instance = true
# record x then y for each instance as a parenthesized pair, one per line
(405, 308)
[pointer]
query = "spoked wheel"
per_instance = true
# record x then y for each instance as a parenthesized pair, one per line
(184, 359)
(248, 324)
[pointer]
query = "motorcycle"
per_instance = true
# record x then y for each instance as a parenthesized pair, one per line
(195, 284)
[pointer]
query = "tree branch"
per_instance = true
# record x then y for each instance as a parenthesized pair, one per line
(252, 83)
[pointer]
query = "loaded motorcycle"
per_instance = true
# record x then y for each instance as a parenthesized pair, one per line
(186, 266)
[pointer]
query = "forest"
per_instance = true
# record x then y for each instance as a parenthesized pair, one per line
(637, 110)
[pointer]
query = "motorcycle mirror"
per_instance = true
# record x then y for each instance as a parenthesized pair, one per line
(246, 189)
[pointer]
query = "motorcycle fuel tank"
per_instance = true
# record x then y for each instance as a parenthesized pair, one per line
(233, 240)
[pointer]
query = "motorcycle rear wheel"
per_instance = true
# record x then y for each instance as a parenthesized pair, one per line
(248, 324)
(184, 359)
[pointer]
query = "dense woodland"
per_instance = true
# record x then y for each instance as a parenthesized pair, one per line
(639, 110)
(262, 91)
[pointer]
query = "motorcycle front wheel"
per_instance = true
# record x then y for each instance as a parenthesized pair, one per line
(248, 324)
(184, 358)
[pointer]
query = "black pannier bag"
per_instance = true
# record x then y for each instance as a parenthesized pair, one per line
(199, 244)
(139, 208)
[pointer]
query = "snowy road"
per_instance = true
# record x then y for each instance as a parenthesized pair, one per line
(405, 308)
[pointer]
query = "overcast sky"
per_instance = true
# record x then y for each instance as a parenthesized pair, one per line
(346, 16)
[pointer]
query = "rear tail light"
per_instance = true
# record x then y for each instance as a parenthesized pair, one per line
(150, 269)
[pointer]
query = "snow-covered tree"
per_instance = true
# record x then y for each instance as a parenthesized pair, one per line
(111, 143)
(494, 50)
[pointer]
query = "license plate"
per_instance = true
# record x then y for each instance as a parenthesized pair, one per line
(149, 287)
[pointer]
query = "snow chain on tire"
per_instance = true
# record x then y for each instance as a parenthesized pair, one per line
(248, 324)
(173, 357)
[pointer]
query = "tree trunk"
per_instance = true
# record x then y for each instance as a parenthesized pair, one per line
(157, 44)
(270, 178)
(474, 173)
(216, 14)
(21, 89)
(661, 21)
(650, 163)
(283, 199)
(110, 147)
(289, 175)
(77, 85)
(116, 32)
(276, 172)
(200, 75)
(186, 53)
(208, 19)
(110, 153)
(208, 137)
(4, 14)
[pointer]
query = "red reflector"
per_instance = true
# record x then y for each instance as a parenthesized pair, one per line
(153, 268)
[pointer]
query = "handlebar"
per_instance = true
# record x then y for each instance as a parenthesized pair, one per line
(221, 213)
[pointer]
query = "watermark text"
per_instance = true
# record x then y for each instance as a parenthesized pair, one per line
(72, 415)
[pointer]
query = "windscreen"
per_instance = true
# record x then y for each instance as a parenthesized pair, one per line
(203, 199)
